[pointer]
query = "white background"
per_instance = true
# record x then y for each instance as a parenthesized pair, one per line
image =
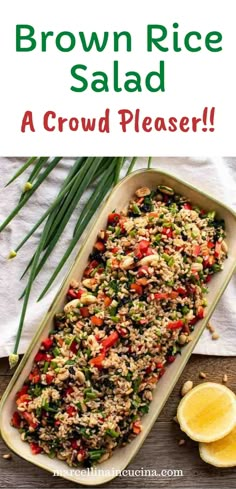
(41, 81)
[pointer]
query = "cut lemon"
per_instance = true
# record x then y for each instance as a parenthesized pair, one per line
(208, 412)
(220, 453)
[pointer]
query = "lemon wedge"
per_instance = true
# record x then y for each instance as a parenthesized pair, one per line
(220, 453)
(207, 412)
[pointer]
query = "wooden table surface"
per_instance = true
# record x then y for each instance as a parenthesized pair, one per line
(160, 450)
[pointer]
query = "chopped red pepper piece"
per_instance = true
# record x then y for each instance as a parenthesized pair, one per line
(16, 420)
(137, 288)
(99, 246)
(142, 248)
(137, 427)
(71, 410)
(210, 244)
(115, 249)
(161, 295)
(84, 311)
(176, 324)
(174, 294)
(22, 391)
(196, 250)
(98, 361)
(113, 218)
(107, 301)
(29, 418)
(181, 291)
(47, 343)
(96, 321)
(35, 448)
(142, 281)
(34, 376)
(72, 294)
(49, 378)
(23, 398)
(91, 266)
(200, 312)
(110, 340)
(167, 232)
(80, 293)
(187, 206)
(40, 357)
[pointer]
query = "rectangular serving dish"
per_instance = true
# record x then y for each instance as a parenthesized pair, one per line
(118, 199)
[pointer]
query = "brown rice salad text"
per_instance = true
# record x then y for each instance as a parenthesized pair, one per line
(141, 294)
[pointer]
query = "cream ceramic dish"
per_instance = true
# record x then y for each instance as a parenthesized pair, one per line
(118, 199)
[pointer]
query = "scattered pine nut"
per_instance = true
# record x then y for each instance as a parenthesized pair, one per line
(175, 419)
(210, 327)
(202, 375)
(189, 339)
(181, 442)
(7, 456)
(225, 378)
(187, 386)
(215, 336)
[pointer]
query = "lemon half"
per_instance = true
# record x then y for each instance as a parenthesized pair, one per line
(220, 453)
(208, 412)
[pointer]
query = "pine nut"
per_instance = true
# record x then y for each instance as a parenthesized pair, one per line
(143, 192)
(187, 386)
(7, 456)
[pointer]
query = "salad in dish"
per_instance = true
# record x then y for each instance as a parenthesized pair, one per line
(142, 292)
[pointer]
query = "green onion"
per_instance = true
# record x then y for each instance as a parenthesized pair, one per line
(95, 454)
(144, 409)
(85, 216)
(131, 166)
(56, 352)
(136, 209)
(22, 169)
(27, 196)
(45, 367)
(120, 162)
(112, 433)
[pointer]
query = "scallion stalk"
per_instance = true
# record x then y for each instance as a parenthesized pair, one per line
(22, 169)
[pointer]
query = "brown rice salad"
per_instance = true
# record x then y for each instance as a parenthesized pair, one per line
(141, 294)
